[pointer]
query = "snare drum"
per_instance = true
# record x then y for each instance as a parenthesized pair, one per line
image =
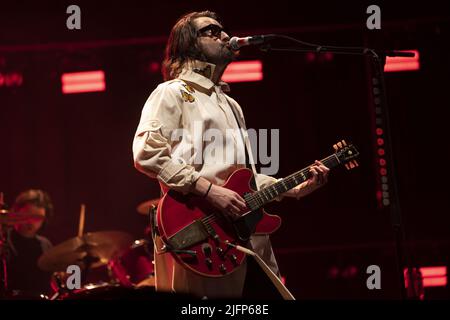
(135, 267)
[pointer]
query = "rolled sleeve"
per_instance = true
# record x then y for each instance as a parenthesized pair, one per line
(152, 143)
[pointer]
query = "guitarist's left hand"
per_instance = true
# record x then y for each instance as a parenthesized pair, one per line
(318, 179)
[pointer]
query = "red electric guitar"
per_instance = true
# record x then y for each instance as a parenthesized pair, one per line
(204, 240)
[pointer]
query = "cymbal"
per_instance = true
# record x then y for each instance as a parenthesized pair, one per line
(144, 207)
(92, 250)
(12, 218)
(148, 282)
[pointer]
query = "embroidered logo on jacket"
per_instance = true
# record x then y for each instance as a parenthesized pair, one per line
(186, 94)
(188, 88)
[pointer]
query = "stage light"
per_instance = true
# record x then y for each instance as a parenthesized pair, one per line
(328, 56)
(435, 282)
(87, 81)
(396, 64)
(379, 195)
(243, 71)
(11, 79)
(310, 57)
(380, 141)
(154, 67)
(434, 271)
(431, 276)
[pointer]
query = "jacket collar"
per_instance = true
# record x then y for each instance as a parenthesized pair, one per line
(198, 75)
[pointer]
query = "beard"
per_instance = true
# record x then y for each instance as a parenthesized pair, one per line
(220, 56)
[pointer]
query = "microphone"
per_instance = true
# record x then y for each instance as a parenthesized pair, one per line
(236, 43)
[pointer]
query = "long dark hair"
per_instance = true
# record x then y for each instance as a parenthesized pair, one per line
(181, 46)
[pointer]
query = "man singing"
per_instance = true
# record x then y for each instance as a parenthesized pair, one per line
(193, 99)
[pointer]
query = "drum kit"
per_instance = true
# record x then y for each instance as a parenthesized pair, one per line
(112, 264)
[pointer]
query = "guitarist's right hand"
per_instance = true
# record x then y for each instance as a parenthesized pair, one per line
(227, 201)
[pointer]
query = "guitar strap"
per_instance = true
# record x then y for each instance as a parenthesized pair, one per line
(274, 279)
(249, 161)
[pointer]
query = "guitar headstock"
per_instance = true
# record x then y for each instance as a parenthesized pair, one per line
(346, 153)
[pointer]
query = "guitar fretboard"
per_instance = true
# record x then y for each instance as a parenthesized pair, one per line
(260, 198)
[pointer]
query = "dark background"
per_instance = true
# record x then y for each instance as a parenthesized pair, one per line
(78, 146)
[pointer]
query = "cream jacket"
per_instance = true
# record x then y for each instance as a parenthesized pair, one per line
(173, 143)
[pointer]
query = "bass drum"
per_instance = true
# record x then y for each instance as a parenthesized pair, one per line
(135, 267)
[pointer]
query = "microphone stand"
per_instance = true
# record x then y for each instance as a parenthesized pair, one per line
(4, 252)
(378, 59)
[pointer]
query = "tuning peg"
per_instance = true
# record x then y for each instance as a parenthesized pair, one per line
(356, 163)
(347, 166)
(352, 165)
(335, 147)
(344, 143)
(339, 145)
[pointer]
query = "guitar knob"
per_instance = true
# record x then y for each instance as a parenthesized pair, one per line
(207, 249)
(222, 268)
(209, 263)
(220, 252)
(233, 259)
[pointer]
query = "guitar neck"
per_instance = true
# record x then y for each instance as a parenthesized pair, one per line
(259, 198)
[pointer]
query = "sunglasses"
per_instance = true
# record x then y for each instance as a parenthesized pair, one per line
(211, 30)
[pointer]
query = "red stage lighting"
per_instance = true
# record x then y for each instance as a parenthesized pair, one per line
(88, 81)
(243, 71)
(395, 64)
(432, 276)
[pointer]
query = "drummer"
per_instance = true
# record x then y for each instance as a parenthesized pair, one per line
(26, 246)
